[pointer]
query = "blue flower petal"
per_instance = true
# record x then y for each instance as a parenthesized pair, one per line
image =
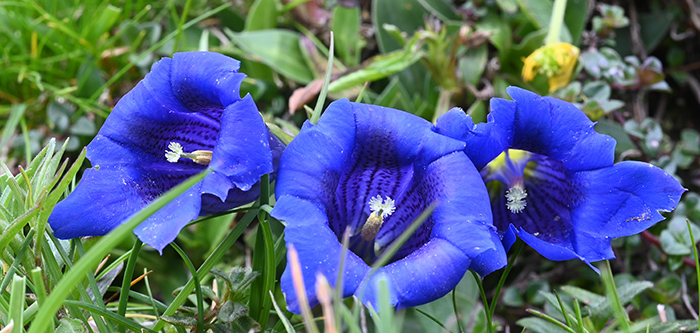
(356, 152)
(423, 276)
(243, 150)
(558, 130)
(483, 141)
(182, 100)
(463, 212)
(319, 251)
(624, 199)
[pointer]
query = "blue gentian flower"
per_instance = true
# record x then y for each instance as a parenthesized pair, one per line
(184, 116)
(373, 170)
(552, 179)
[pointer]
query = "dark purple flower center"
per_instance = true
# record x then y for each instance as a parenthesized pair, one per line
(375, 170)
(550, 195)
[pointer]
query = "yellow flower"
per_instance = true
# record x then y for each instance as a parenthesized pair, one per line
(557, 61)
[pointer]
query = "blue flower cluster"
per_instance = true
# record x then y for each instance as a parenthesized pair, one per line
(537, 170)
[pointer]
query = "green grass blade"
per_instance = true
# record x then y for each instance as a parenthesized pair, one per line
(324, 91)
(208, 264)
(17, 303)
(287, 325)
(197, 286)
(16, 113)
(99, 250)
(613, 297)
(126, 281)
(98, 311)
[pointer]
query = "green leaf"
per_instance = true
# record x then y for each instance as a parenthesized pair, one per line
(378, 67)
(407, 16)
(262, 15)
(575, 20)
(108, 16)
(99, 250)
(232, 311)
(441, 9)
(473, 64)
(393, 96)
(539, 325)
(596, 90)
(500, 33)
(582, 295)
(276, 48)
(345, 24)
(539, 12)
(16, 113)
(672, 246)
(508, 6)
(83, 126)
(626, 293)
(70, 325)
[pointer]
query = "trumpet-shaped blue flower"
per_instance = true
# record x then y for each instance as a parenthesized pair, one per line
(184, 116)
(552, 180)
(373, 170)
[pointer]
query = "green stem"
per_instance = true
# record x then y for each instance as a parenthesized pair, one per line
(556, 21)
(457, 315)
(477, 278)
(697, 262)
(517, 248)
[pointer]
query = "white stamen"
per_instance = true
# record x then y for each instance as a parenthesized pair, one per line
(516, 199)
(173, 153)
(382, 209)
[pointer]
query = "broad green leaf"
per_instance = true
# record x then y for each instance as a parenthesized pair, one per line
(500, 33)
(392, 96)
(441, 9)
(473, 64)
(377, 67)
(539, 13)
(407, 16)
(582, 295)
(278, 49)
(508, 6)
(575, 19)
(262, 15)
(345, 25)
(626, 293)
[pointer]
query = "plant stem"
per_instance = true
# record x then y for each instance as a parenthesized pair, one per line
(556, 22)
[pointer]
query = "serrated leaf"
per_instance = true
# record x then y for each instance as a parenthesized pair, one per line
(232, 311)
(70, 325)
(181, 321)
(625, 292)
